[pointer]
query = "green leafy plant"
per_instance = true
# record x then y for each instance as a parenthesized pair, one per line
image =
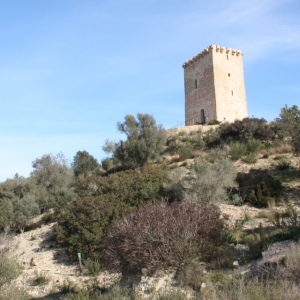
(84, 163)
(289, 121)
(145, 141)
(253, 146)
(213, 122)
(250, 158)
(83, 224)
(185, 152)
(237, 150)
(93, 266)
(207, 181)
(259, 187)
(283, 164)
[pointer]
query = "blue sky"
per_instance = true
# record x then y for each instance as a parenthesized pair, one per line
(70, 70)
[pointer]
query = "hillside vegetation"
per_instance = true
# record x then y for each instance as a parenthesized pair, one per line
(156, 204)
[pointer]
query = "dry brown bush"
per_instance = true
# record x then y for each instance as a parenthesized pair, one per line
(161, 235)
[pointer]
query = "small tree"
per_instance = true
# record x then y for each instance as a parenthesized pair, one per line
(84, 163)
(52, 171)
(145, 141)
(24, 209)
(290, 121)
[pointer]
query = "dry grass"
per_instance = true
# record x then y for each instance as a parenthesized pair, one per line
(285, 148)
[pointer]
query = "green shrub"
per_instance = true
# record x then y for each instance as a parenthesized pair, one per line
(182, 133)
(9, 269)
(213, 122)
(174, 146)
(267, 145)
(263, 193)
(247, 129)
(185, 152)
(24, 209)
(41, 279)
(237, 150)
(290, 124)
(259, 187)
(253, 146)
(172, 295)
(93, 266)
(207, 182)
(283, 164)
(6, 214)
(198, 141)
(250, 158)
(106, 163)
(161, 235)
(82, 225)
(212, 138)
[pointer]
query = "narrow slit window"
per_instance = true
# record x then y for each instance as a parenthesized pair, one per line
(231, 93)
(227, 57)
(196, 84)
(228, 74)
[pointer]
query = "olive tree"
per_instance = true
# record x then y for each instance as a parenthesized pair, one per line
(52, 171)
(145, 141)
(290, 121)
(83, 163)
(205, 181)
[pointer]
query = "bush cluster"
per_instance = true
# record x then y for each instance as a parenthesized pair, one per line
(160, 235)
(259, 187)
(83, 224)
(205, 181)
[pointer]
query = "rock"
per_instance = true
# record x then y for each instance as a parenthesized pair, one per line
(236, 264)
(33, 262)
(203, 285)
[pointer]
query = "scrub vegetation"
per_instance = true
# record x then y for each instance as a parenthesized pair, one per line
(154, 204)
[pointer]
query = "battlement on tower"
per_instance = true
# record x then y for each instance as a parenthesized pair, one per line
(208, 50)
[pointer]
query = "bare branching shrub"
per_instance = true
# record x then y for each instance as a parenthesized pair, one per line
(161, 235)
(292, 262)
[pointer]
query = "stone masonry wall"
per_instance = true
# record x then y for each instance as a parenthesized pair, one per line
(229, 84)
(202, 97)
(214, 83)
(189, 129)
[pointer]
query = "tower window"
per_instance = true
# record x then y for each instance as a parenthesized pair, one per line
(196, 84)
(228, 74)
(227, 57)
(231, 93)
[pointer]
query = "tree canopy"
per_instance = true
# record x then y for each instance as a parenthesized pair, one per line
(145, 141)
(83, 163)
(290, 120)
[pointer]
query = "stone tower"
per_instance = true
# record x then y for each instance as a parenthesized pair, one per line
(214, 86)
